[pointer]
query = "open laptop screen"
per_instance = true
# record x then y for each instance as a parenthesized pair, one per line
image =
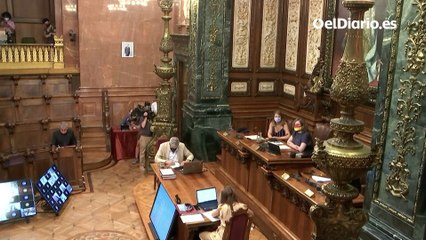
(274, 149)
(206, 195)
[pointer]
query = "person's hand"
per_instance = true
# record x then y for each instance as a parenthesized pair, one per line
(183, 162)
(168, 163)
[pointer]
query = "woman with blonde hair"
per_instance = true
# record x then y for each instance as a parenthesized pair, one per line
(278, 127)
(227, 205)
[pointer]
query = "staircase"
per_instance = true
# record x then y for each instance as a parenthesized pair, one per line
(96, 148)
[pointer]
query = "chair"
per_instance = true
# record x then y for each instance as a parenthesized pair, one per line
(239, 225)
(160, 140)
(322, 131)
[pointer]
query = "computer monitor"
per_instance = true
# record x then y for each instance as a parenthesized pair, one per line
(16, 200)
(162, 214)
(54, 188)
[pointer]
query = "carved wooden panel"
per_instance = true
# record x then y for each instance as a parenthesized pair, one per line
(313, 35)
(292, 42)
(29, 88)
(62, 108)
(6, 88)
(8, 111)
(28, 136)
(269, 34)
(241, 39)
(58, 87)
(32, 110)
(4, 140)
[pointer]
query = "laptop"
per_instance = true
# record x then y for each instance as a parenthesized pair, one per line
(192, 167)
(207, 198)
(274, 149)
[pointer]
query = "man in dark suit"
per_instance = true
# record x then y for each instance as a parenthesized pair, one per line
(63, 137)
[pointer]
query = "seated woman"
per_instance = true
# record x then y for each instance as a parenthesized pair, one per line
(301, 139)
(228, 204)
(278, 128)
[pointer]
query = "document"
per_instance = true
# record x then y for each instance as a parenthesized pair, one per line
(175, 165)
(166, 171)
(210, 217)
(284, 147)
(321, 179)
(279, 143)
(192, 218)
(252, 137)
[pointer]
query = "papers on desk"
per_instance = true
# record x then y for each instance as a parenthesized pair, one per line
(254, 137)
(192, 218)
(284, 147)
(175, 165)
(210, 217)
(167, 173)
(280, 144)
(321, 179)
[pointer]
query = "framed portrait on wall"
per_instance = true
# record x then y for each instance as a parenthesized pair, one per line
(127, 49)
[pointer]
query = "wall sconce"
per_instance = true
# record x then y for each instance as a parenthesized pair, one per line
(73, 35)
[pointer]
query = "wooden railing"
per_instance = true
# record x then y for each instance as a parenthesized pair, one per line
(29, 56)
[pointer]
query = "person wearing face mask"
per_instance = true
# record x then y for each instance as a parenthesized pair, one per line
(173, 153)
(278, 128)
(301, 139)
(9, 27)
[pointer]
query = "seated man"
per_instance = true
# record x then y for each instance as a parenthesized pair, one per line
(301, 139)
(63, 137)
(173, 152)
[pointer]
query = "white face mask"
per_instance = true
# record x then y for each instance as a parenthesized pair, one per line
(6, 19)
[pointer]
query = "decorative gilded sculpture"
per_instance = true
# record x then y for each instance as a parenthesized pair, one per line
(411, 90)
(342, 157)
(164, 123)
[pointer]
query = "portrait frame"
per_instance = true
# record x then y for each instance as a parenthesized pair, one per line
(127, 50)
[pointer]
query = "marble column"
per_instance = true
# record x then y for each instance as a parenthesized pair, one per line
(206, 109)
(396, 196)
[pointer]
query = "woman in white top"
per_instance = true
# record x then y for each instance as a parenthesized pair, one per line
(228, 205)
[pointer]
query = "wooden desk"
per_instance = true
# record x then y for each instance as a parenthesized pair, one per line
(69, 160)
(185, 186)
(280, 207)
(123, 143)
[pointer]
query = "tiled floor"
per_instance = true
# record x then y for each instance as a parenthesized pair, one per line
(111, 206)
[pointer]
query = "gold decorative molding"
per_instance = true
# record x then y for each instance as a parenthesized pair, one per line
(193, 47)
(292, 43)
(314, 35)
(409, 105)
(241, 40)
(164, 122)
(214, 52)
(269, 34)
(342, 157)
(31, 56)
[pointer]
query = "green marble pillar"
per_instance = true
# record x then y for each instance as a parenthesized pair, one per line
(206, 109)
(396, 196)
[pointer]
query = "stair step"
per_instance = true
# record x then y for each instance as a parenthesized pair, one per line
(93, 134)
(89, 141)
(94, 146)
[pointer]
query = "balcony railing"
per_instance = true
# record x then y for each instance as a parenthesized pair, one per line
(29, 56)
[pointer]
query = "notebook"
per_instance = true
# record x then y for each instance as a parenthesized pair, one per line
(274, 149)
(207, 198)
(192, 167)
